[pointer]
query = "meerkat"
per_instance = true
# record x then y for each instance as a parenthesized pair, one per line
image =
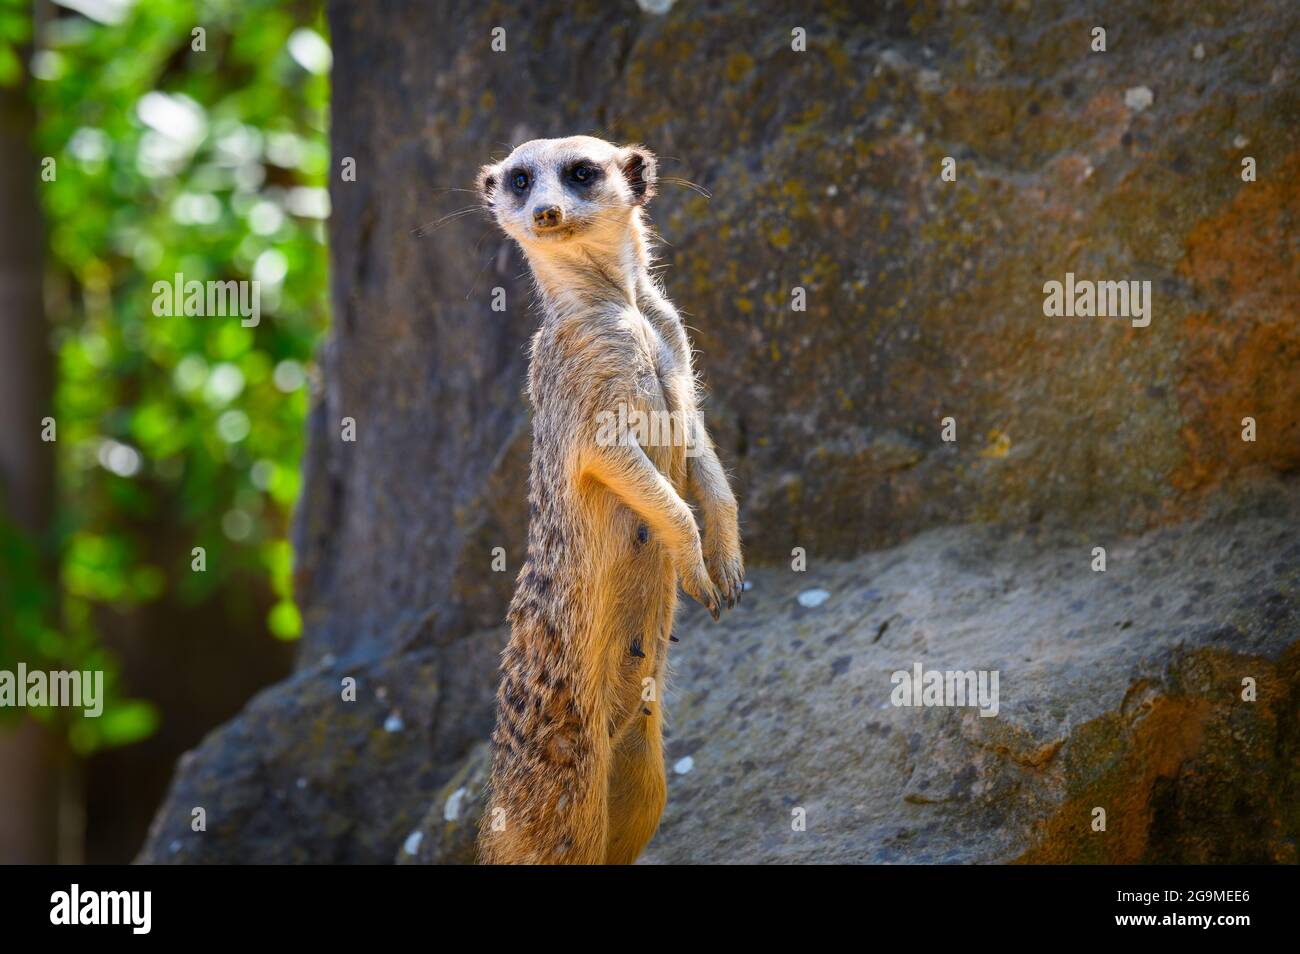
(578, 764)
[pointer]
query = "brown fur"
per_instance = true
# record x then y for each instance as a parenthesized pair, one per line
(578, 768)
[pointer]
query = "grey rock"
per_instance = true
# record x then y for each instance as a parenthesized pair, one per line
(1139, 711)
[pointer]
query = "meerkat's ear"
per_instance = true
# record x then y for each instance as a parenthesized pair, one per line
(640, 170)
(488, 177)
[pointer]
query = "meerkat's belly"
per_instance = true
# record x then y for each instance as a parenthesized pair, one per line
(638, 574)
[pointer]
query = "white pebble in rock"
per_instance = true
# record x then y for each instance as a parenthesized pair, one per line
(412, 843)
(394, 723)
(811, 599)
(451, 811)
(1138, 98)
(682, 766)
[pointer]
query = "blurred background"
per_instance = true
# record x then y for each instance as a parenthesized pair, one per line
(185, 136)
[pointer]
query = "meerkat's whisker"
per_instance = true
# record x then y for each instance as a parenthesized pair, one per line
(428, 228)
(482, 268)
(693, 186)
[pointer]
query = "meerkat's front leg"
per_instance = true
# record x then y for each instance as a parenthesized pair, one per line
(634, 479)
(722, 554)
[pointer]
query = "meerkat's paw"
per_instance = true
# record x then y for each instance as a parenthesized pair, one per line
(727, 570)
(699, 587)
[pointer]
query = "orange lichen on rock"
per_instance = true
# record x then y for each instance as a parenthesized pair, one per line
(1241, 357)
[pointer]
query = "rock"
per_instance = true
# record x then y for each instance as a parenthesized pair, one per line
(1119, 690)
(449, 831)
(924, 297)
(303, 777)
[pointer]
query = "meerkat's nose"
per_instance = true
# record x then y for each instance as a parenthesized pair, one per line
(547, 216)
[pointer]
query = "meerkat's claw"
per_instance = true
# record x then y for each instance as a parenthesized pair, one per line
(714, 605)
(728, 576)
(700, 587)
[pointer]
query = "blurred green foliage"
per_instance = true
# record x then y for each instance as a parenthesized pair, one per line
(15, 32)
(188, 137)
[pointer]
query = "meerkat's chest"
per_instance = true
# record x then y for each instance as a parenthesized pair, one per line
(659, 371)
(663, 423)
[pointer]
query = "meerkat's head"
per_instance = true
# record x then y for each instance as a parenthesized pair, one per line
(550, 194)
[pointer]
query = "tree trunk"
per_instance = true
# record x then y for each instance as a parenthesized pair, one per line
(29, 754)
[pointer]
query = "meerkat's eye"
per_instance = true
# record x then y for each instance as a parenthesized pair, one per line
(520, 181)
(583, 173)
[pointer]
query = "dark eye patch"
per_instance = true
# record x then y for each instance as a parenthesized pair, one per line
(582, 173)
(520, 180)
